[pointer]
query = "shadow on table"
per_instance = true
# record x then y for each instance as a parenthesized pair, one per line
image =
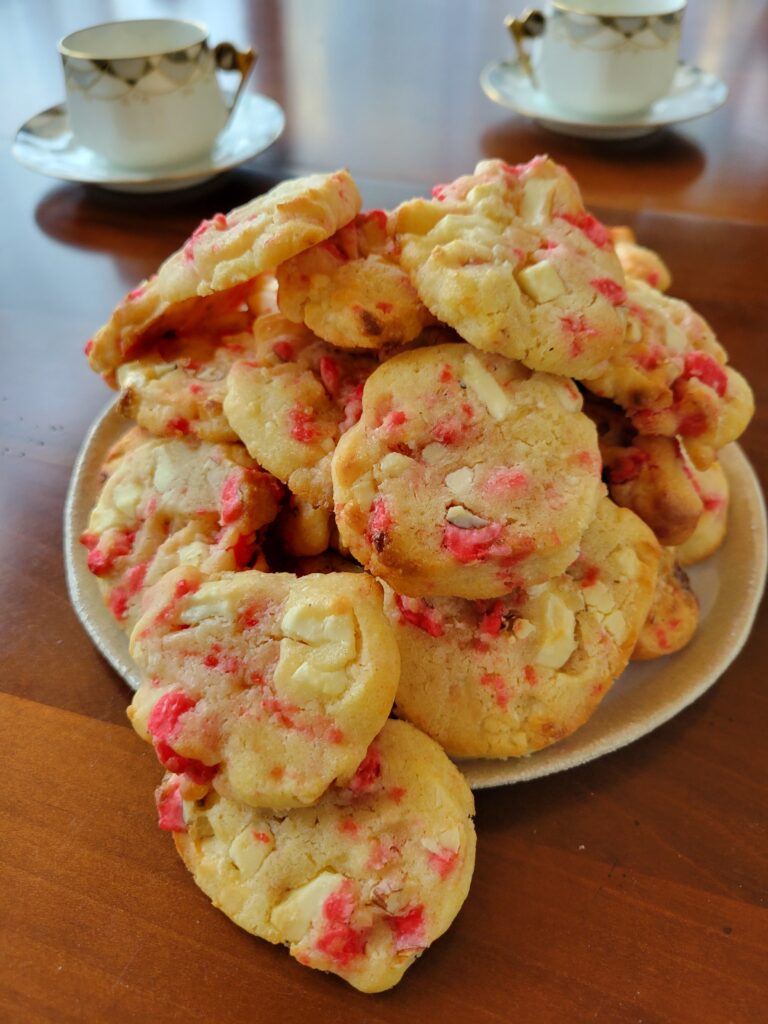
(138, 230)
(681, 159)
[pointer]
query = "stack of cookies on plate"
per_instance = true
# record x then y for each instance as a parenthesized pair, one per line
(444, 461)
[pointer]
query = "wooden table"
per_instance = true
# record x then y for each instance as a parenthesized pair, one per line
(632, 889)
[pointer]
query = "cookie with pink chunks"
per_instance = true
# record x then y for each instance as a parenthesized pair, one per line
(231, 248)
(713, 488)
(359, 885)
(637, 261)
(351, 290)
(146, 317)
(177, 387)
(172, 502)
(267, 685)
(671, 376)
(217, 268)
(507, 677)
(290, 402)
(509, 257)
(674, 613)
(649, 475)
(468, 474)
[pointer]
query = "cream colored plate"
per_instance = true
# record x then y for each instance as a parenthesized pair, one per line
(729, 586)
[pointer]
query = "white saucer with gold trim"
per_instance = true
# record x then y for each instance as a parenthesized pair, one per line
(694, 93)
(46, 144)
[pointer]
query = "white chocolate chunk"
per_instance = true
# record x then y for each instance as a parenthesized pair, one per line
(627, 562)
(432, 453)
(598, 596)
(219, 821)
(193, 554)
(459, 481)
(132, 375)
(558, 625)
(395, 464)
(569, 396)
(634, 331)
(459, 516)
(210, 372)
(316, 625)
(418, 217)
(363, 491)
(616, 625)
(541, 282)
(127, 497)
(537, 200)
(676, 339)
(523, 628)
(105, 517)
(304, 674)
(331, 682)
(295, 915)
(450, 839)
(248, 853)
(211, 601)
(487, 388)
(164, 471)
(314, 653)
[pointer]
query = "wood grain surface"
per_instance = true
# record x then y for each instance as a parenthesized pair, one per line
(632, 889)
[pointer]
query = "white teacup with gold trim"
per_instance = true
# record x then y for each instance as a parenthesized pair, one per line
(145, 93)
(601, 58)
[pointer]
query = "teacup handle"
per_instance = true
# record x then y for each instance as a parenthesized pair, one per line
(529, 25)
(229, 58)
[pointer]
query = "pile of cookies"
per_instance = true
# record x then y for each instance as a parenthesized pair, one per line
(444, 463)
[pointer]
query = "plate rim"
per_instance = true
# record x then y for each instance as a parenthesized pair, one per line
(206, 167)
(571, 752)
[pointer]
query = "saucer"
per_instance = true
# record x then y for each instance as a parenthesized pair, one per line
(46, 144)
(694, 93)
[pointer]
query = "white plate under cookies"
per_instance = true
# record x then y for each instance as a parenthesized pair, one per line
(729, 587)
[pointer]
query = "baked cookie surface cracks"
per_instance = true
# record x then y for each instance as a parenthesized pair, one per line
(509, 257)
(467, 474)
(268, 686)
(361, 883)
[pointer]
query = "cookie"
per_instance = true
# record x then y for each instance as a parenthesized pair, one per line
(509, 257)
(358, 885)
(145, 316)
(303, 530)
(649, 475)
(221, 261)
(267, 685)
(674, 613)
(351, 290)
(177, 388)
(712, 486)
(231, 248)
(508, 677)
(291, 401)
(467, 475)
(171, 502)
(671, 376)
(637, 261)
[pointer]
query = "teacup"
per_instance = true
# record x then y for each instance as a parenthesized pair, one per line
(145, 94)
(601, 58)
